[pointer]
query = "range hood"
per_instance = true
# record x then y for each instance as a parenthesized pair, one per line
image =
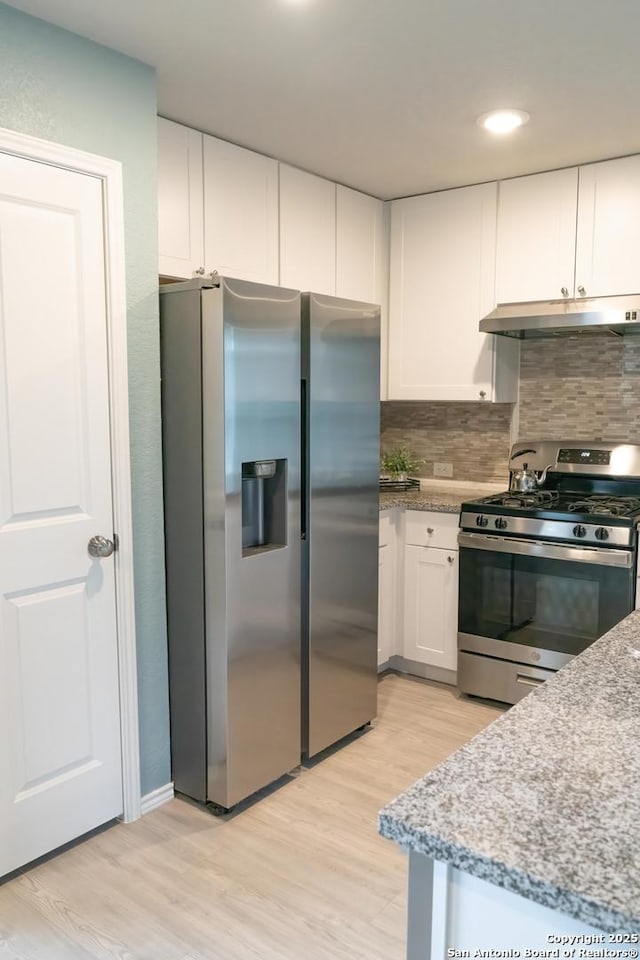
(613, 315)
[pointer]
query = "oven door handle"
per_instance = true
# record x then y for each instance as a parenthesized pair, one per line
(547, 551)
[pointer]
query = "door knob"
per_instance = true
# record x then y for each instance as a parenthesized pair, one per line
(451, 559)
(581, 291)
(564, 291)
(100, 547)
(199, 272)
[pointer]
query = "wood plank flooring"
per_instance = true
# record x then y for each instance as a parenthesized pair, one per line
(301, 875)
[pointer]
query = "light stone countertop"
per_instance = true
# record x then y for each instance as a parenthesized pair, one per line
(546, 801)
(439, 497)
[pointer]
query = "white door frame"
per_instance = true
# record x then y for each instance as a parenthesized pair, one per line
(110, 172)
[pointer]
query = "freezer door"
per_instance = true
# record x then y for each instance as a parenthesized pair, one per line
(341, 363)
(251, 458)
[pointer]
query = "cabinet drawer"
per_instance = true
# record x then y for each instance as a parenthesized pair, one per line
(425, 529)
(498, 679)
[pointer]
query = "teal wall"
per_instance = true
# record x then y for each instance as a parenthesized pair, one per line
(60, 87)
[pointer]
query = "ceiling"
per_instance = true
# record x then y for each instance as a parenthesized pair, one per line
(382, 95)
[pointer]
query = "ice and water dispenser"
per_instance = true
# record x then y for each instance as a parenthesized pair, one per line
(264, 506)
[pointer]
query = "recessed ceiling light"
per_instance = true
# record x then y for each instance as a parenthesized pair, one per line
(502, 121)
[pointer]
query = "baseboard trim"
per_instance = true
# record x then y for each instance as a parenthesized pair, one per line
(416, 669)
(156, 798)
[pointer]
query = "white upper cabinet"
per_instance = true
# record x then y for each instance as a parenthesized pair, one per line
(359, 246)
(535, 253)
(608, 241)
(307, 231)
(240, 212)
(442, 283)
(570, 233)
(180, 203)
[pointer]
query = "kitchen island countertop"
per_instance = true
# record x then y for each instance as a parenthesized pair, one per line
(544, 802)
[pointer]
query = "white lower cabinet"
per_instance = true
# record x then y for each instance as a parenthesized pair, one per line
(387, 587)
(430, 592)
(431, 606)
(418, 592)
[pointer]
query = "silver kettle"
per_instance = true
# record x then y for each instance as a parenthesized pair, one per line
(523, 480)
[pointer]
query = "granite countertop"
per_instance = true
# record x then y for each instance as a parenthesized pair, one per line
(545, 802)
(438, 498)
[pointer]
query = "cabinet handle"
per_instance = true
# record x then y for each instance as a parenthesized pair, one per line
(564, 291)
(199, 272)
(429, 530)
(451, 559)
(581, 291)
(483, 394)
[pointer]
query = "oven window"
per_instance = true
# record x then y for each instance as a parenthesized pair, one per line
(555, 605)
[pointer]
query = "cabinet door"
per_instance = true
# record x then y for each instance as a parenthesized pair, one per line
(359, 238)
(535, 255)
(442, 283)
(307, 231)
(431, 606)
(240, 212)
(607, 261)
(180, 233)
(386, 646)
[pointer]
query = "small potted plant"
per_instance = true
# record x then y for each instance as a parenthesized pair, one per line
(399, 462)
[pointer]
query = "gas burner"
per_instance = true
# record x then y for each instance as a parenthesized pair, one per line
(538, 498)
(606, 506)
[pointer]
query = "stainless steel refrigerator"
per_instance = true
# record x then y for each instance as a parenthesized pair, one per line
(270, 406)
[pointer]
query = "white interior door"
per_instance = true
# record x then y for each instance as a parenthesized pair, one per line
(60, 753)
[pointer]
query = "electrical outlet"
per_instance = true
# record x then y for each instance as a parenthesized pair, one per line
(443, 469)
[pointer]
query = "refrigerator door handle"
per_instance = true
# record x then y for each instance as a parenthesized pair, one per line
(304, 453)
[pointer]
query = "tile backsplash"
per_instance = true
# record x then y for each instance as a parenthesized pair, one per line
(584, 387)
(474, 437)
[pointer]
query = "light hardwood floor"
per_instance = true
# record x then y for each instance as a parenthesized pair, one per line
(301, 875)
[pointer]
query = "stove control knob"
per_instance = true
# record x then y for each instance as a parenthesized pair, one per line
(501, 523)
(482, 521)
(602, 533)
(579, 531)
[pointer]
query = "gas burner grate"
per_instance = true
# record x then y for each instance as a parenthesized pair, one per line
(606, 506)
(539, 498)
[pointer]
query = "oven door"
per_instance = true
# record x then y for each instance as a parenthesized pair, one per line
(542, 603)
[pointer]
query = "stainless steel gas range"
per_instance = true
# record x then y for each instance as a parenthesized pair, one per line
(545, 572)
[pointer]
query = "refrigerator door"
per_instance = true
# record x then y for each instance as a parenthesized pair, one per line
(341, 369)
(251, 468)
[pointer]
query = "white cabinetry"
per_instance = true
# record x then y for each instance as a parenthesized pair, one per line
(535, 255)
(180, 201)
(240, 212)
(431, 589)
(442, 283)
(570, 233)
(608, 238)
(359, 246)
(362, 257)
(307, 231)
(386, 588)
